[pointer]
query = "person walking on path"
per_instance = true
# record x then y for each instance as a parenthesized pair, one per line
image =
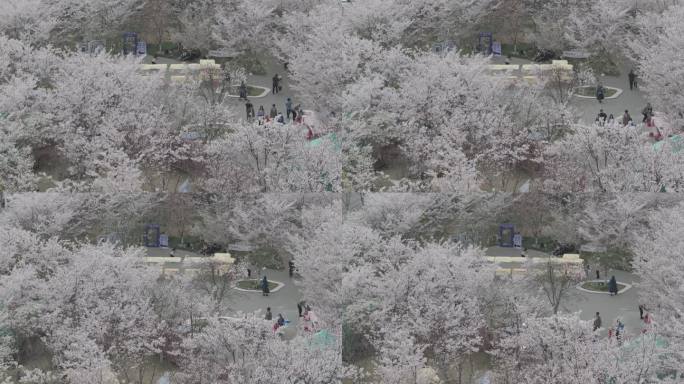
(264, 287)
(243, 90)
(250, 110)
(288, 107)
(619, 331)
(274, 112)
(269, 315)
(641, 311)
(597, 321)
(598, 275)
(600, 93)
(612, 286)
(300, 308)
(276, 84)
(602, 116)
(261, 113)
(632, 79)
(647, 112)
(626, 118)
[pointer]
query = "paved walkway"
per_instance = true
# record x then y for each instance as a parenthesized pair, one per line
(272, 67)
(282, 301)
(512, 252)
(625, 305)
(633, 101)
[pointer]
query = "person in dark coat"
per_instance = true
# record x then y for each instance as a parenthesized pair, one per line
(626, 118)
(602, 116)
(647, 112)
(300, 308)
(243, 90)
(276, 84)
(612, 286)
(250, 110)
(288, 107)
(600, 93)
(632, 79)
(274, 112)
(269, 315)
(281, 320)
(597, 321)
(264, 286)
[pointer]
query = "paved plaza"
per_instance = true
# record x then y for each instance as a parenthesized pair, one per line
(624, 306)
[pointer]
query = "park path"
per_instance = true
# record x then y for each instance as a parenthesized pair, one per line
(271, 66)
(625, 305)
(282, 301)
(633, 101)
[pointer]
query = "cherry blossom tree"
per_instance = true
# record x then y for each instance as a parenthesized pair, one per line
(41, 21)
(655, 252)
(246, 350)
(563, 349)
(265, 220)
(658, 39)
(269, 158)
(611, 158)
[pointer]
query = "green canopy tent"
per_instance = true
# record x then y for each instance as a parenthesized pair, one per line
(648, 342)
(332, 137)
(322, 339)
(676, 143)
(337, 146)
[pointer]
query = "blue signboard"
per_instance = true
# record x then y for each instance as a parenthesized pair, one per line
(142, 48)
(129, 43)
(496, 48)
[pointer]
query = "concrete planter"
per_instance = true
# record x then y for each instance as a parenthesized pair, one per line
(265, 91)
(623, 290)
(617, 94)
(279, 285)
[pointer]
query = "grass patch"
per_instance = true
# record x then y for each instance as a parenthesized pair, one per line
(591, 91)
(172, 48)
(251, 91)
(523, 50)
(603, 64)
(600, 286)
(249, 62)
(189, 243)
(265, 257)
(255, 285)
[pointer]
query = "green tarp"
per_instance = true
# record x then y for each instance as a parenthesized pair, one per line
(332, 137)
(322, 339)
(676, 142)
